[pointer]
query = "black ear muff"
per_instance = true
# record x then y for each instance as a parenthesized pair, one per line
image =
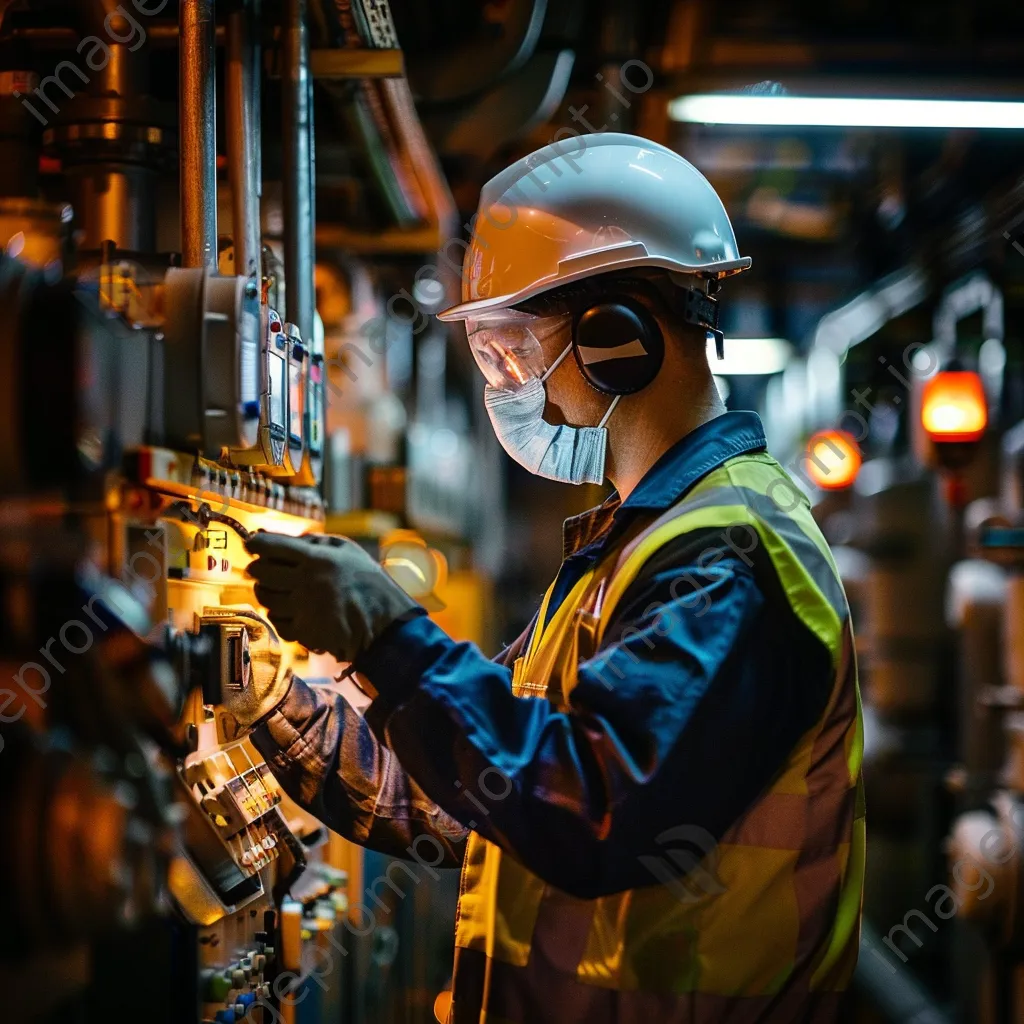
(618, 346)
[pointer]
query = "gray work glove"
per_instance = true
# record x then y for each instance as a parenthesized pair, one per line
(325, 592)
(266, 690)
(265, 679)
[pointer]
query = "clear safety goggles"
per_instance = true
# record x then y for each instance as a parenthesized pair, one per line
(509, 346)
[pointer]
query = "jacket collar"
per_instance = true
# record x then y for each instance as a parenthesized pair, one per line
(687, 462)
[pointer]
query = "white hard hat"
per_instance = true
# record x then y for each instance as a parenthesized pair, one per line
(587, 206)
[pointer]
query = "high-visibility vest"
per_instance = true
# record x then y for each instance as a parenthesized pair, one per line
(776, 937)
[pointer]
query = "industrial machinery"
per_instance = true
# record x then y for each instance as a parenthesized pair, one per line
(987, 843)
(166, 376)
(917, 484)
(159, 406)
(90, 715)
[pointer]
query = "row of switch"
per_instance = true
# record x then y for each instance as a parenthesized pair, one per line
(219, 984)
(148, 466)
(256, 489)
(238, 1012)
(240, 985)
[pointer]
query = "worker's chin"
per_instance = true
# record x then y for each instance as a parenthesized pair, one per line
(555, 414)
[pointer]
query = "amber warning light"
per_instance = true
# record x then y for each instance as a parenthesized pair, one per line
(833, 459)
(953, 407)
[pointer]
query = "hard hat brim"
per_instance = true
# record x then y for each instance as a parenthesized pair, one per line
(465, 310)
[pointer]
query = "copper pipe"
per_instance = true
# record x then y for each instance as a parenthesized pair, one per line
(297, 138)
(243, 140)
(198, 133)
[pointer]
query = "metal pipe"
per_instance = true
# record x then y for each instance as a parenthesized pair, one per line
(311, 299)
(197, 91)
(297, 122)
(47, 37)
(114, 202)
(255, 42)
(124, 75)
(126, 71)
(243, 130)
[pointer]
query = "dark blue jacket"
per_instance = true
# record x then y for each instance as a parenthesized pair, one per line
(703, 685)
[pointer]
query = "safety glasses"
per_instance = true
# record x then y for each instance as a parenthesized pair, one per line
(509, 346)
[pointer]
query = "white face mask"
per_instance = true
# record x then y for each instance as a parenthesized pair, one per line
(573, 455)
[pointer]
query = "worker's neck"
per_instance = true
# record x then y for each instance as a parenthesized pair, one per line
(641, 437)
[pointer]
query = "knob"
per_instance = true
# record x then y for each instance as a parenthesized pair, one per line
(216, 986)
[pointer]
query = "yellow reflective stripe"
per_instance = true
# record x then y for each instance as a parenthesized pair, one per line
(856, 755)
(787, 528)
(805, 598)
(853, 740)
(847, 921)
(748, 480)
(501, 899)
(499, 904)
(546, 642)
(478, 885)
(758, 473)
(538, 628)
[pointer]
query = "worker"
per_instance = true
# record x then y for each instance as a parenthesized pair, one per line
(655, 793)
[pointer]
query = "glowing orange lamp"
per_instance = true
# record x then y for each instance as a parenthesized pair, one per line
(953, 407)
(833, 459)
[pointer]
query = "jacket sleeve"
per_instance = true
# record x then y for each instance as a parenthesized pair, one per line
(680, 719)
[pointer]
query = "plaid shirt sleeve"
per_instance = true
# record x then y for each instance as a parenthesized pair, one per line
(328, 761)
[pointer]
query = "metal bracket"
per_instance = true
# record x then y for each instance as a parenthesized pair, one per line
(347, 65)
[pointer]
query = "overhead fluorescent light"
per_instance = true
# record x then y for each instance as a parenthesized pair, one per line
(844, 112)
(749, 356)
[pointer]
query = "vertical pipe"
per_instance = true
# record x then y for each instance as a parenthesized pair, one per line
(114, 202)
(311, 311)
(124, 74)
(243, 140)
(297, 121)
(256, 56)
(197, 91)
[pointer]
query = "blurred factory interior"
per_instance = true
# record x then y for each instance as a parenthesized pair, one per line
(199, 198)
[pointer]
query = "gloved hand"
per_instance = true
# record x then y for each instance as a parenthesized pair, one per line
(325, 592)
(266, 690)
(265, 681)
